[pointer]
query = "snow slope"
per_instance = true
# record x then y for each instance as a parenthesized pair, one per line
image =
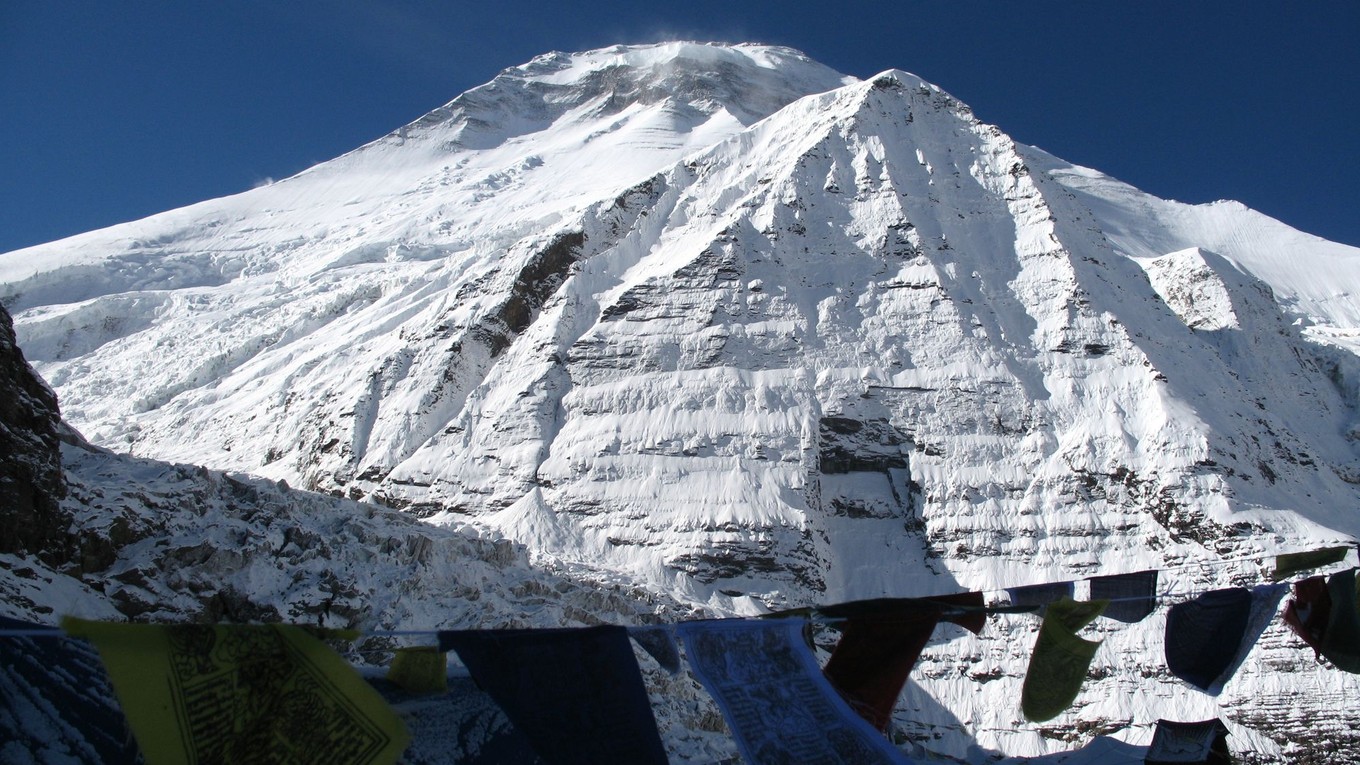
(720, 322)
(1313, 279)
(172, 543)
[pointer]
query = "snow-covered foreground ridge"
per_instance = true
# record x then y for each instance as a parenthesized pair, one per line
(721, 322)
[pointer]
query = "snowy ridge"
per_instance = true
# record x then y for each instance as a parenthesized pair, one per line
(721, 323)
(340, 255)
(1314, 279)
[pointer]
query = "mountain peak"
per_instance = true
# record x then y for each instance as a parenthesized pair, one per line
(898, 78)
(747, 81)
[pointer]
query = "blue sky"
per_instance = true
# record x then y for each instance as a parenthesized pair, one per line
(111, 111)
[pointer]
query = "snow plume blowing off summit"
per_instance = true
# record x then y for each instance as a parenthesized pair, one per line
(721, 322)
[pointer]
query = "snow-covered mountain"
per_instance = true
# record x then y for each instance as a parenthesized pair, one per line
(720, 323)
(100, 535)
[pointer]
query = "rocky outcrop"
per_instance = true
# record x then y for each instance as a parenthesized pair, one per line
(31, 482)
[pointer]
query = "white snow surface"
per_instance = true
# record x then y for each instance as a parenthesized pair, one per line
(723, 323)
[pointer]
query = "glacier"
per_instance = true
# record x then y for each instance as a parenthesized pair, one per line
(720, 326)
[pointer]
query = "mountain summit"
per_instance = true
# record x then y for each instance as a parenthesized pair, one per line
(722, 322)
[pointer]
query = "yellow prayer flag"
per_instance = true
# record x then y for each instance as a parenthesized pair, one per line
(242, 693)
(420, 669)
(1292, 563)
(1060, 660)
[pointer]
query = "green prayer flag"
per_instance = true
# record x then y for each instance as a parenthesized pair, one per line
(420, 669)
(1292, 563)
(242, 693)
(1060, 660)
(1341, 641)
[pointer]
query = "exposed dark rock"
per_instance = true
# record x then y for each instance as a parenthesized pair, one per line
(31, 482)
(714, 267)
(865, 449)
(538, 280)
(627, 303)
(852, 446)
(761, 555)
(1096, 349)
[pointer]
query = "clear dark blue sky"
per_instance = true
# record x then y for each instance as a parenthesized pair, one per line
(111, 111)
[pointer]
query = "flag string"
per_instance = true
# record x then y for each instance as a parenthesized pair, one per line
(1172, 594)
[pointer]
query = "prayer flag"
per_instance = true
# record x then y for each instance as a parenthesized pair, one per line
(576, 694)
(1325, 616)
(1178, 743)
(776, 701)
(966, 609)
(1209, 637)
(1308, 611)
(1132, 596)
(1341, 642)
(462, 725)
(874, 656)
(881, 640)
(1202, 635)
(1292, 563)
(1040, 595)
(420, 669)
(242, 693)
(659, 643)
(1060, 660)
(1265, 603)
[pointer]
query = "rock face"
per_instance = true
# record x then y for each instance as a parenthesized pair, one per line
(721, 323)
(31, 484)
